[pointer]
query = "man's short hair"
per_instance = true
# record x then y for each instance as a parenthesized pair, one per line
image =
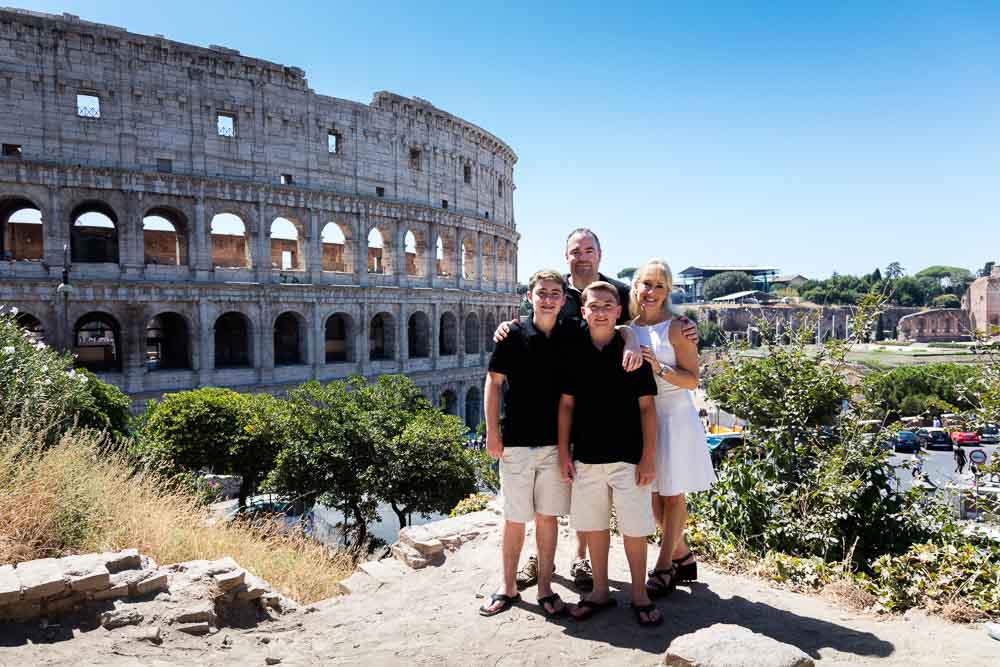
(546, 274)
(601, 286)
(584, 230)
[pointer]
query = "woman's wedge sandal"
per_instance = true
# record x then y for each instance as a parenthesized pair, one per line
(687, 571)
(661, 582)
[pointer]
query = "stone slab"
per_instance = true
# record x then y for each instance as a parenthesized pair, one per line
(119, 618)
(227, 581)
(726, 645)
(10, 585)
(157, 581)
(126, 559)
(359, 582)
(384, 571)
(41, 578)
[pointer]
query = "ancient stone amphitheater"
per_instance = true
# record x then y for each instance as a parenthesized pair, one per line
(180, 216)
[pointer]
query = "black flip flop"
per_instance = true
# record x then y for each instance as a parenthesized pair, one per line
(551, 600)
(507, 600)
(594, 608)
(665, 581)
(640, 609)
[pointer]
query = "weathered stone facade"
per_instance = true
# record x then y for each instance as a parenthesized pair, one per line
(935, 325)
(982, 303)
(222, 224)
(836, 322)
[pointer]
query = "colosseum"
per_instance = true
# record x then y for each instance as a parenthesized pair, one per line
(179, 216)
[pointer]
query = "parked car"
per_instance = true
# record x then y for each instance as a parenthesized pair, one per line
(965, 438)
(274, 507)
(933, 438)
(905, 441)
(720, 444)
(989, 434)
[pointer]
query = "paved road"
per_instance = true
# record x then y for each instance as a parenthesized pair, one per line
(939, 466)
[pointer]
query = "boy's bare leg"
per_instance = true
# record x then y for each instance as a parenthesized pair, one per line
(599, 543)
(546, 538)
(581, 545)
(513, 540)
(635, 553)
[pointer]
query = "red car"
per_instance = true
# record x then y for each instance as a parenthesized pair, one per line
(965, 438)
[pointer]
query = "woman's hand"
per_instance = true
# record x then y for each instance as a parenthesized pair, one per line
(647, 355)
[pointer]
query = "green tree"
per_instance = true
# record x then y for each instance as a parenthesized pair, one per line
(627, 273)
(106, 408)
(709, 335)
(889, 391)
(728, 282)
(220, 429)
(947, 301)
(894, 270)
(954, 275)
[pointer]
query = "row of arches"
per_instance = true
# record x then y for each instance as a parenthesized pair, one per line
(448, 403)
(97, 339)
(166, 236)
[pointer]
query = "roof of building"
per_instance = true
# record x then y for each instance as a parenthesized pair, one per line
(702, 269)
(788, 279)
(737, 296)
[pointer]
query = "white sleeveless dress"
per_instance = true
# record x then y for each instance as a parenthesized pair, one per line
(683, 464)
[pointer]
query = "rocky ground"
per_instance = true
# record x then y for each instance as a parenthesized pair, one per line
(398, 615)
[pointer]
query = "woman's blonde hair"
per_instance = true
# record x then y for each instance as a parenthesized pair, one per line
(663, 269)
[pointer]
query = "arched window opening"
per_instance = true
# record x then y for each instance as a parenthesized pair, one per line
(334, 249)
(411, 251)
(381, 338)
(31, 326)
(441, 267)
(448, 403)
(164, 238)
(489, 326)
(418, 331)
(375, 251)
(448, 335)
(473, 408)
(21, 231)
(472, 334)
(94, 235)
(285, 252)
(232, 341)
(468, 259)
(338, 339)
(287, 340)
(230, 249)
(97, 343)
(167, 343)
(488, 260)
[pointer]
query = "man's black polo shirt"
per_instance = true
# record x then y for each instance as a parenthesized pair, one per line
(574, 302)
(607, 427)
(530, 360)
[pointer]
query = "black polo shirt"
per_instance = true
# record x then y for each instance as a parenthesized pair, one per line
(607, 427)
(574, 302)
(530, 361)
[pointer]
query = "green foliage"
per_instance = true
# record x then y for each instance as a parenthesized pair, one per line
(846, 290)
(627, 272)
(914, 291)
(107, 410)
(219, 429)
(956, 275)
(728, 282)
(709, 335)
(911, 390)
(475, 502)
(946, 301)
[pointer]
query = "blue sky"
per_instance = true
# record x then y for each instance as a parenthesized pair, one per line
(816, 139)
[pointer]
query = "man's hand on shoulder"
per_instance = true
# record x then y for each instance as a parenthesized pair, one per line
(689, 329)
(503, 330)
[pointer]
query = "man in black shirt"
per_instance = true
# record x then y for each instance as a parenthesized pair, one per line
(611, 415)
(530, 480)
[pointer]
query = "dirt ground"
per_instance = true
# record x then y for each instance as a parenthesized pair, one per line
(429, 616)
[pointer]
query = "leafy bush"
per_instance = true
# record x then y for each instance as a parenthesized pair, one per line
(909, 390)
(474, 502)
(947, 301)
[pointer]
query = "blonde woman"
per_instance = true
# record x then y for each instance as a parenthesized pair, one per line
(683, 464)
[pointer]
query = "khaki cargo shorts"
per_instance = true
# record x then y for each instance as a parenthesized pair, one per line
(530, 483)
(599, 485)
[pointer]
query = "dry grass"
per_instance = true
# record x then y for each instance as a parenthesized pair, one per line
(74, 499)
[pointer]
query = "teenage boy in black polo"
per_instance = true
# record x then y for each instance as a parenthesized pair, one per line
(530, 480)
(611, 415)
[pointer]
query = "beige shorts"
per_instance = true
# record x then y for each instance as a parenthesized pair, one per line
(599, 485)
(530, 483)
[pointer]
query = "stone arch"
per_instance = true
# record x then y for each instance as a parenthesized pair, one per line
(337, 248)
(339, 338)
(468, 259)
(168, 342)
(448, 334)
(230, 242)
(444, 254)
(97, 343)
(22, 236)
(448, 402)
(473, 407)
(32, 326)
(379, 251)
(382, 337)
(414, 251)
(93, 233)
(233, 340)
(289, 339)
(472, 333)
(286, 236)
(489, 326)
(165, 237)
(418, 335)
(489, 259)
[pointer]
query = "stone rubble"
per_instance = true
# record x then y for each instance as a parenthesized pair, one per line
(726, 645)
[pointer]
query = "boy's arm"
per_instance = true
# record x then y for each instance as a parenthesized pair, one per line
(645, 472)
(565, 427)
(491, 404)
(632, 358)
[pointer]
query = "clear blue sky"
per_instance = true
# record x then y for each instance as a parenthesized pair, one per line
(816, 139)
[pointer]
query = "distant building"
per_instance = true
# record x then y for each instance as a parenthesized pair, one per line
(982, 303)
(694, 277)
(794, 282)
(935, 325)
